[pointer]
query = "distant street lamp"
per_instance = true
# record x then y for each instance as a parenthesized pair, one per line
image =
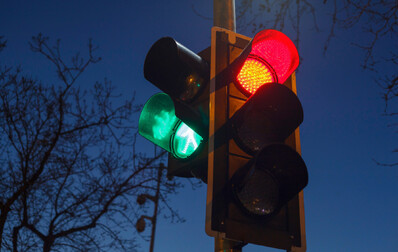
(141, 199)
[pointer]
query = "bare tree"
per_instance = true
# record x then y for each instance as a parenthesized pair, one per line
(68, 163)
(379, 20)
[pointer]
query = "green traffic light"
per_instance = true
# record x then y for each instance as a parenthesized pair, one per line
(186, 141)
(165, 122)
(159, 124)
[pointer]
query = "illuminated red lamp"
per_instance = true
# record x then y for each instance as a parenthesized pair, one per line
(272, 59)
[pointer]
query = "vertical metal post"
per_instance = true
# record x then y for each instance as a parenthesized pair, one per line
(224, 14)
(156, 201)
(224, 17)
(224, 245)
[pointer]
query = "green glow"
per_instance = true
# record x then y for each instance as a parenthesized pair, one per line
(159, 124)
(158, 121)
(186, 141)
(163, 124)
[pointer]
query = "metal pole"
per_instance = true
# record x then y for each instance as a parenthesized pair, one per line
(155, 211)
(224, 14)
(224, 17)
(224, 245)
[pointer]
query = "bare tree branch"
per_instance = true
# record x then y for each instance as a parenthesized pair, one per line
(67, 174)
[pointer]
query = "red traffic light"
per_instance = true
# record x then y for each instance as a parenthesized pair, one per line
(273, 58)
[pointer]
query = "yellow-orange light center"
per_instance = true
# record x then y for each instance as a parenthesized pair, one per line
(254, 74)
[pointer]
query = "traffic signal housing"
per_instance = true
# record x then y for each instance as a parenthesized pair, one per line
(277, 172)
(255, 172)
(177, 120)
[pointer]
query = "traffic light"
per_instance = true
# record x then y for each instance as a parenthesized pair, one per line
(159, 124)
(177, 120)
(255, 172)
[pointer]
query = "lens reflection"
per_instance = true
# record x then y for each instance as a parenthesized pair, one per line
(258, 193)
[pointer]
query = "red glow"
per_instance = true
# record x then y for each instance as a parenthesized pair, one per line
(276, 58)
(253, 74)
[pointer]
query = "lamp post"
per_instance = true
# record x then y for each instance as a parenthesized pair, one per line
(141, 199)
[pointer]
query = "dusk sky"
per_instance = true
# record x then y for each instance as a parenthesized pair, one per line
(351, 202)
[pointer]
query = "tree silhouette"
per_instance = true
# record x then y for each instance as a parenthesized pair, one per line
(69, 168)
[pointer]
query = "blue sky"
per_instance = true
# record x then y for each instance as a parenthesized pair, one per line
(350, 201)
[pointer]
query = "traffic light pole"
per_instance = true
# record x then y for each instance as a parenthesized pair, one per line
(224, 17)
(225, 245)
(224, 14)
